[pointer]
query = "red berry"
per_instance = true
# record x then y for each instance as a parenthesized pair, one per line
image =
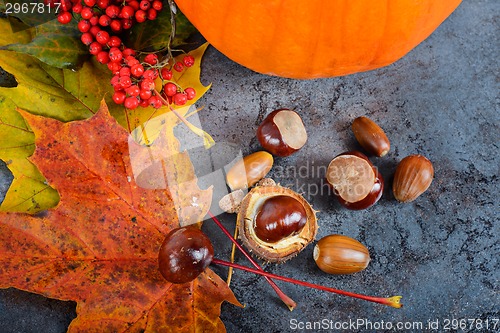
(89, 3)
(115, 81)
(77, 9)
(152, 14)
(144, 103)
(104, 20)
(66, 5)
(114, 41)
(131, 61)
(116, 25)
(126, 24)
(140, 16)
(125, 71)
(94, 20)
(65, 18)
(170, 89)
(128, 52)
(119, 97)
(87, 13)
(188, 60)
(125, 81)
(113, 11)
(103, 57)
(115, 54)
(102, 37)
(133, 90)
(87, 38)
(84, 25)
(94, 30)
(103, 4)
(127, 12)
(137, 70)
(144, 4)
(166, 73)
(152, 58)
(147, 84)
(150, 74)
(134, 4)
(190, 93)
(155, 102)
(180, 99)
(95, 48)
(145, 94)
(158, 5)
(178, 66)
(114, 66)
(131, 103)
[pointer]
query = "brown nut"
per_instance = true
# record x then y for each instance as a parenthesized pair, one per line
(276, 223)
(355, 180)
(413, 177)
(230, 203)
(282, 133)
(248, 171)
(337, 254)
(370, 136)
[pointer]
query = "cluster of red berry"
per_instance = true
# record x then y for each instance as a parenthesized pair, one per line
(134, 75)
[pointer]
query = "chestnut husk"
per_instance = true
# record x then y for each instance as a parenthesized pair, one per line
(286, 248)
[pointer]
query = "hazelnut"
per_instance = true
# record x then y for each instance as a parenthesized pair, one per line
(412, 178)
(338, 254)
(282, 133)
(230, 203)
(276, 223)
(355, 180)
(248, 171)
(370, 136)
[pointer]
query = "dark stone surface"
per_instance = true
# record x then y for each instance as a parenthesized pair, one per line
(440, 252)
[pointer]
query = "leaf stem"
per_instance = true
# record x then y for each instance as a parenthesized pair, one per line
(394, 301)
(290, 303)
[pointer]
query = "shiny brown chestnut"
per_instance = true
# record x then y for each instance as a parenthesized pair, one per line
(184, 254)
(276, 223)
(282, 133)
(356, 182)
(279, 217)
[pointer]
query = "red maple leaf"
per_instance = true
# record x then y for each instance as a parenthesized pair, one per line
(99, 246)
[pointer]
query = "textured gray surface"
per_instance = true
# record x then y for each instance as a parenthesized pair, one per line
(440, 252)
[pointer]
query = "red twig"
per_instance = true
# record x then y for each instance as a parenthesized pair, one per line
(287, 300)
(393, 301)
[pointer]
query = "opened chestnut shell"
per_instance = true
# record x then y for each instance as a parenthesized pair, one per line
(276, 223)
(355, 180)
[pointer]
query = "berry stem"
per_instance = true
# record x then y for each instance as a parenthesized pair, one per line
(290, 303)
(394, 301)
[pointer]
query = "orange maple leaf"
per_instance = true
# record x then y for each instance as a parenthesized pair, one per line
(99, 246)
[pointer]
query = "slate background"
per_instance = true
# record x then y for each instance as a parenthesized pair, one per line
(440, 252)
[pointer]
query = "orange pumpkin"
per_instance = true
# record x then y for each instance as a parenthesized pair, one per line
(311, 39)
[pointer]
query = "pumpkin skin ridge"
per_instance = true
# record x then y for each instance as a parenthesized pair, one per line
(357, 42)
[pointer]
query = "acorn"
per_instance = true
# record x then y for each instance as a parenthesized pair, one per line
(276, 223)
(248, 171)
(371, 136)
(338, 254)
(413, 177)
